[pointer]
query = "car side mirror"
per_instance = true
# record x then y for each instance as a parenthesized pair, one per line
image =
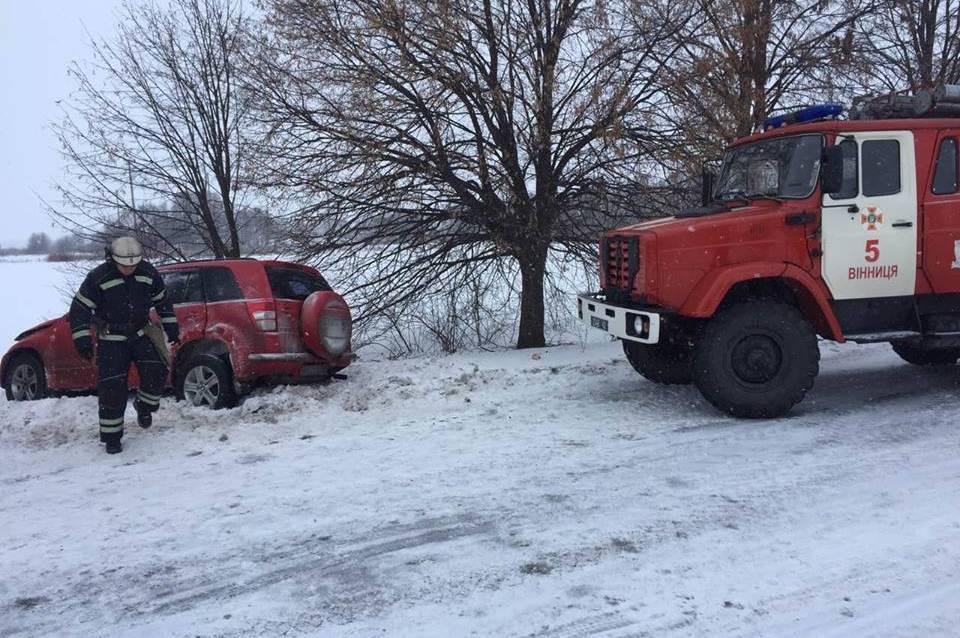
(831, 170)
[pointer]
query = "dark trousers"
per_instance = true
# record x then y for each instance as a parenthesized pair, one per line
(114, 354)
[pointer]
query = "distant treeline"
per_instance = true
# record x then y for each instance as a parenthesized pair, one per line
(257, 233)
(65, 247)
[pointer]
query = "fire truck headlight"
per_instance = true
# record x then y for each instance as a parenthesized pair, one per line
(641, 326)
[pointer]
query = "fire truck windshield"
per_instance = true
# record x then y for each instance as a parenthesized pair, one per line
(778, 168)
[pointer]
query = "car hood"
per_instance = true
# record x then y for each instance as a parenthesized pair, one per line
(37, 328)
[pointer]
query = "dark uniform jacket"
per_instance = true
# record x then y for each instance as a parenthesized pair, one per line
(121, 305)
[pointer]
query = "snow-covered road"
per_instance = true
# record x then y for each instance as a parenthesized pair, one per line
(493, 495)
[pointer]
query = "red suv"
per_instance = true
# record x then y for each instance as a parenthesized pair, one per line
(242, 322)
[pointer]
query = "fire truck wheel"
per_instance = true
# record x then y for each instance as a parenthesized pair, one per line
(756, 359)
(920, 356)
(661, 363)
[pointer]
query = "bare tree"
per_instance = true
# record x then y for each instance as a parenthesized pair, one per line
(38, 244)
(910, 45)
(158, 115)
(428, 142)
(741, 60)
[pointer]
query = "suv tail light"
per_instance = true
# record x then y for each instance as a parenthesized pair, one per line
(264, 314)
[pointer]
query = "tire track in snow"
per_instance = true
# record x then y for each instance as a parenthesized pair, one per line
(346, 560)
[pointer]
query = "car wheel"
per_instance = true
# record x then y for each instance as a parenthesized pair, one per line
(207, 381)
(756, 359)
(26, 380)
(920, 356)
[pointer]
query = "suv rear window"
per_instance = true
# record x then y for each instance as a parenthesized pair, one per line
(290, 283)
(220, 284)
(183, 286)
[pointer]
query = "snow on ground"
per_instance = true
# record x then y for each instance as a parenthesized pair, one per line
(549, 494)
(496, 494)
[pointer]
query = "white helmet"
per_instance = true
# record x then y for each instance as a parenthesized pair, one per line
(126, 251)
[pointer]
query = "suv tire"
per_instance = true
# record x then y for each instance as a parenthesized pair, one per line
(26, 379)
(665, 363)
(206, 380)
(756, 359)
(920, 356)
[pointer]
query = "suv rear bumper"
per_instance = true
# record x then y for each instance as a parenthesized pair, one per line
(290, 366)
(624, 321)
(303, 357)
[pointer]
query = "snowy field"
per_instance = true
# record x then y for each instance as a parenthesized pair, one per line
(34, 290)
(514, 494)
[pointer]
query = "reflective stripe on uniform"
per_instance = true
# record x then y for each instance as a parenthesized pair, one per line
(169, 320)
(147, 398)
(111, 426)
(159, 295)
(86, 302)
(109, 337)
(144, 279)
(81, 333)
(111, 284)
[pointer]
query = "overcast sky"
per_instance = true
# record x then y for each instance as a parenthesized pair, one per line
(38, 40)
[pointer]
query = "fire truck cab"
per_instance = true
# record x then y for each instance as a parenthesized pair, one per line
(844, 228)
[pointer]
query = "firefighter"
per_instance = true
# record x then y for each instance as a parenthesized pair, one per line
(115, 300)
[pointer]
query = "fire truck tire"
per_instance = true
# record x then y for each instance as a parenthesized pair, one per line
(920, 356)
(756, 359)
(662, 363)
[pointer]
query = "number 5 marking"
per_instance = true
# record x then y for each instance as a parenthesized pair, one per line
(872, 249)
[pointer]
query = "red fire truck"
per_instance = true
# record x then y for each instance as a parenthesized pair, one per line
(844, 228)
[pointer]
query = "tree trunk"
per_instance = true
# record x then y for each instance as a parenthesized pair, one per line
(533, 266)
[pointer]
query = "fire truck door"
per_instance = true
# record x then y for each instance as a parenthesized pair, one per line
(941, 217)
(870, 228)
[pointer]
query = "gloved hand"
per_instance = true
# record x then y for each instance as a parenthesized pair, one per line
(173, 335)
(84, 346)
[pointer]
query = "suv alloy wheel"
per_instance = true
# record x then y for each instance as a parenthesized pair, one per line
(27, 380)
(206, 380)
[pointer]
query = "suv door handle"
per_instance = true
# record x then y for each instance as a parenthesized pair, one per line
(902, 224)
(853, 208)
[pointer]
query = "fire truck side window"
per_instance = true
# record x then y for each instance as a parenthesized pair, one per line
(945, 174)
(881, 167)
(851, 180)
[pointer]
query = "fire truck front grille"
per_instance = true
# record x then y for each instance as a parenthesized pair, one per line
(621, 257)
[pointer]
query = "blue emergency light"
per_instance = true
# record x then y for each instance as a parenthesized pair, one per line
(809, 114)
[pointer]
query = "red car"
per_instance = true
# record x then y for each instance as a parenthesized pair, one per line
(242, 322)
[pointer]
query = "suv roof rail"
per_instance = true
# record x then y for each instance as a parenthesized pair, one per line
(943, 101)
(207, 260)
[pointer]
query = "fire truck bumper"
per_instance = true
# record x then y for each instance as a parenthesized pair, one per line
(623, 321)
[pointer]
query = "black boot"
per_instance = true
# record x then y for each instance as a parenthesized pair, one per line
(144, 416)
(114, 446)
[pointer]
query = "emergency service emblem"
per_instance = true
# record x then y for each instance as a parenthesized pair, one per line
(871, 219)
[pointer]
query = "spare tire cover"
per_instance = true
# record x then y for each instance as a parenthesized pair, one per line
(326, 324)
